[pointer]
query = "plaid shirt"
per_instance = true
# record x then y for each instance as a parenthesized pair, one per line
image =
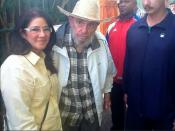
(77, 98)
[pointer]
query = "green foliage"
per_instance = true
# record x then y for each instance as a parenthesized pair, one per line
(11, 9)
(6, 17)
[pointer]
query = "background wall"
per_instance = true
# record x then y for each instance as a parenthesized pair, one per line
(139, 3)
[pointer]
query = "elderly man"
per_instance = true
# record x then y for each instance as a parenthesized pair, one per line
(85, 68)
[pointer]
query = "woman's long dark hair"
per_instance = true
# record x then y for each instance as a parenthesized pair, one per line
(20, 46)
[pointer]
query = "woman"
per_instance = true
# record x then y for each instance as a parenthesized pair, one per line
(29, 84)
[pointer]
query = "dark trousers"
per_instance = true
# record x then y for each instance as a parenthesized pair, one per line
(135, 122)
(84, 126)
(117, 107)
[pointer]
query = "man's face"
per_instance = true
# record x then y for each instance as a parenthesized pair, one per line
(82, 30)
(126, 7)
(172, 7)
(153, 6)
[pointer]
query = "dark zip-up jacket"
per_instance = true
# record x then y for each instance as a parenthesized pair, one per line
(149, 73)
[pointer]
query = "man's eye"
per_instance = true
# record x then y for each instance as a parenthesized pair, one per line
(79, 22)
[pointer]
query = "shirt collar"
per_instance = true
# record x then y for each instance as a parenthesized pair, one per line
(33, 58)
(127, 20)
(94, 44)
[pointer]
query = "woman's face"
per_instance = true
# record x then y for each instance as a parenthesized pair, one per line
(37, 34)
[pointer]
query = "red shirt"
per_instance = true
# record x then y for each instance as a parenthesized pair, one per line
(117, 32)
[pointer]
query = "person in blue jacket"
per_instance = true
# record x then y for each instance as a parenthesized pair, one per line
(149, 72)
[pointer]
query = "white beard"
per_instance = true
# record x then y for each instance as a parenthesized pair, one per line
(82, 44)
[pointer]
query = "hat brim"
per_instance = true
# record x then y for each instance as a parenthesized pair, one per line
(84, 18)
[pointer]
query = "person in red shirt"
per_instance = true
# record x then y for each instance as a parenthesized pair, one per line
(116, 37)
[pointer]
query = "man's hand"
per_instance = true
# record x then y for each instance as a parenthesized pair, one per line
(107, 101)
(126, 100)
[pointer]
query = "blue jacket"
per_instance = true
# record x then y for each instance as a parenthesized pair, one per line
(149, 73)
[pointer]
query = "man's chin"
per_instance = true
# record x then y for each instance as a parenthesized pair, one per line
(82, 40)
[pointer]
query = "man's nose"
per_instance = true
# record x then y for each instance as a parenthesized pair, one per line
(84, 28)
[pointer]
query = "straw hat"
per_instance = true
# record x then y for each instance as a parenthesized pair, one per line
(86, 10)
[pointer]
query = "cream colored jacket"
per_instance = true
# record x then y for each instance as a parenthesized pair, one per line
(26, 87)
